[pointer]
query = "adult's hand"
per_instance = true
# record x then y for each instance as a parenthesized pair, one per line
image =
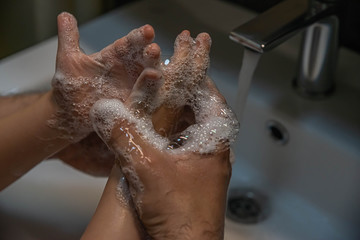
(178, 185)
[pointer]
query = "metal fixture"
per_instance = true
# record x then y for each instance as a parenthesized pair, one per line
(319, 48)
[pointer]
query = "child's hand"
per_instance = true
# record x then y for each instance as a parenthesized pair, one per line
(185, 71)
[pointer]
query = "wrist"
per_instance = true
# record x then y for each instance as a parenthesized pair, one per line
(188, 229)
(27, 128)
(205, 222)
(11, 104)
(190, 221)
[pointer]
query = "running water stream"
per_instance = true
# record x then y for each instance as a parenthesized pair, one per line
(249, 63)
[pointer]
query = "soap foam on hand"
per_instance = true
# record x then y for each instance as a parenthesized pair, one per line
(184, 83)
(74, 106)
(80, 80)
(215, 129)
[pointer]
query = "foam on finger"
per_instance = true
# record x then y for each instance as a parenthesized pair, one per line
(151, 55)
(216, 125)
(141, 36)
(68, 33)
(106, 113)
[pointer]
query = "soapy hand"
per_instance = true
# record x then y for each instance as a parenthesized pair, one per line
(186, 69)
(80, 79)
(174, 180)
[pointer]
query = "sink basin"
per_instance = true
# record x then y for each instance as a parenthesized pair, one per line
(302, 155)
(307, 170)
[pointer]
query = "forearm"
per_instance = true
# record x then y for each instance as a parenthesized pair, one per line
(12, 104)
(26, 139)
(114, 219)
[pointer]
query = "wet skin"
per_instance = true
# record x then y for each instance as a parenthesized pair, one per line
(112, 64)
(173, 193)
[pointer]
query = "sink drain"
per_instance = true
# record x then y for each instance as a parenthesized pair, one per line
(247, 206)
(277, 132)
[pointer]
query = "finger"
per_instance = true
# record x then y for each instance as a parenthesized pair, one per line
(151, 56)
(141, 36)
(134, 40)
(133, 156)
(221, 119)
(215, 126)
(68, 34)
(214, 90)
(165, 119)
(182, 48)
(141, 99)
(201, 57)
(202, 49)
(126, 140)
(216, 103)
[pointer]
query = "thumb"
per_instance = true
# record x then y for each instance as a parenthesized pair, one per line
(68, 34)
(143, 95)
(119, 129)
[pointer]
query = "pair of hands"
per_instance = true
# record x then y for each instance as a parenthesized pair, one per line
(175, 195)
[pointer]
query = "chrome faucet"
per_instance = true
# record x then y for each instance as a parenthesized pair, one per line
(320, 40)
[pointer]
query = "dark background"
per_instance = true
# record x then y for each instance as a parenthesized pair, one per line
(24, 23)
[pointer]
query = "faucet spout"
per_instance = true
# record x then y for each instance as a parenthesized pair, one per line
(280, 22)
(319, 47)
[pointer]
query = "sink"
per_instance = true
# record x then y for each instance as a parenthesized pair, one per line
(306, 166)
(302, 155)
